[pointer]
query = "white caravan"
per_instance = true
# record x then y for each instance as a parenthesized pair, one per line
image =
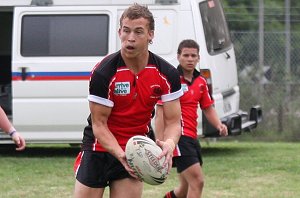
(48, 48)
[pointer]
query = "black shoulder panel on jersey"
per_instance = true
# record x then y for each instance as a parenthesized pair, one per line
(102, 75)
(168, 70)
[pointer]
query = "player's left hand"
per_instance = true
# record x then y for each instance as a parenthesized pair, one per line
(19, 141)
(167, 151)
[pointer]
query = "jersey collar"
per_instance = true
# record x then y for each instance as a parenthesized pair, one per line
(196, 73)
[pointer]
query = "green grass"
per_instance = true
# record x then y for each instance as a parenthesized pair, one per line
(232, 169)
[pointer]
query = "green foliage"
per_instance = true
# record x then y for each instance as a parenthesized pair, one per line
(243, 15)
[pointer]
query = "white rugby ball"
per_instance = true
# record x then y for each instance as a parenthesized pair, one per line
(142, 156)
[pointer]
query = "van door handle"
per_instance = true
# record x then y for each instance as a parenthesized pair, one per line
(227, 55)
(23, 73)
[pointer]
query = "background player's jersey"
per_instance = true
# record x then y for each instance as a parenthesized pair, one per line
(194, 93)
(131, 96)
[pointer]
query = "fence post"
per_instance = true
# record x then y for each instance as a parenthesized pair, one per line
(287, 53)
(261, 47)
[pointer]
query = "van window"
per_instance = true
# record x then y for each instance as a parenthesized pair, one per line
(215, 26)
(64, 35)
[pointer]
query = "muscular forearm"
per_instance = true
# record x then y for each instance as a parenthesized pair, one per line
(172, 124)
(172, 131)
(159, 123)
(107, 140)
(212, 116)
(99, 116)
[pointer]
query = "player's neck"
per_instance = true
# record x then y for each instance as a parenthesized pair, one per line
(188, 75)
(138, 63)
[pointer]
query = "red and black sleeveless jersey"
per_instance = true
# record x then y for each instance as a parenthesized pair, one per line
(132, 97)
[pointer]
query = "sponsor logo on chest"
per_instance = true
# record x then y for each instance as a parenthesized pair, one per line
(184, 87)
(122, 88)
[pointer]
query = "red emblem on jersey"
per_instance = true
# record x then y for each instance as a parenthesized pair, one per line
(156, 91)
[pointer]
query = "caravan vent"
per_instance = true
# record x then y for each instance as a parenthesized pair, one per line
(41, 2)
(166, 2)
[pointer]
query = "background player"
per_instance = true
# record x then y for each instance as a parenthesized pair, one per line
(187, 155)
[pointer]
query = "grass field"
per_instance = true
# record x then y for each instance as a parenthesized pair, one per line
(232, 169)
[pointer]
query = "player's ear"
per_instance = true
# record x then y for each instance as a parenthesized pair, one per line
(119, 32)
(150, 36)
(198, 58)
(178, 56)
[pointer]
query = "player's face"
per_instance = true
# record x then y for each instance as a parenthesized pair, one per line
(188, 58)
(135, 36)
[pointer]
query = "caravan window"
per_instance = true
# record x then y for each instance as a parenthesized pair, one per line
(64, 35)
(215, 26)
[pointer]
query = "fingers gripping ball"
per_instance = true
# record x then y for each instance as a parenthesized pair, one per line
(142, 156)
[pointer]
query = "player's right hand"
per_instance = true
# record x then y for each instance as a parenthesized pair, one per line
(123, 160)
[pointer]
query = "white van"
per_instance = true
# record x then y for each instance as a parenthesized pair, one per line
(48, 48)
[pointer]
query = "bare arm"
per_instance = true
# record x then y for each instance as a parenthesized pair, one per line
(159, 122)
(6, 126)
(213, 118)
(172, 129)
(172, 124)
(99, 115)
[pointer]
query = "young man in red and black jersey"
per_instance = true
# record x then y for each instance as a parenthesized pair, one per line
(187, 155)
(124, 88)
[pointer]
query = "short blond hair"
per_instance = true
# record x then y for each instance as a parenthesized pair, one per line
(137, 11)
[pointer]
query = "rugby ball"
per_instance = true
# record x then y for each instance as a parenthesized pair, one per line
(142, 156)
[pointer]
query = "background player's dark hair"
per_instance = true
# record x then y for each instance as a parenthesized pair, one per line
(187, 43)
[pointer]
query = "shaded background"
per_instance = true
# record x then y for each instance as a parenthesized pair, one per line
(266, 35)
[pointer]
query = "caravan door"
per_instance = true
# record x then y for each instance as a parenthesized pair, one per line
(54, 50)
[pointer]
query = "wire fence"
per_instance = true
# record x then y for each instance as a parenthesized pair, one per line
(275, 85)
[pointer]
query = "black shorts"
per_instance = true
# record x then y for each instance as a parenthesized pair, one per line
(98, 169)
(190, 153)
